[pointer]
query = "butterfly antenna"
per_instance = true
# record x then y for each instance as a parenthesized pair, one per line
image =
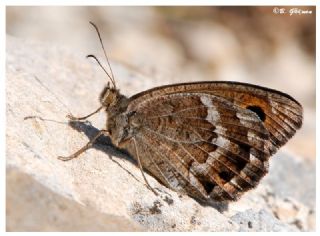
(96, 59)
(105, 54)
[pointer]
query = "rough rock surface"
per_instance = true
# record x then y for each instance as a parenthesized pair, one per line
(103, 183)
(28, 204)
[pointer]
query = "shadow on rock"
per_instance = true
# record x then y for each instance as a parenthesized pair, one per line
(103, 144)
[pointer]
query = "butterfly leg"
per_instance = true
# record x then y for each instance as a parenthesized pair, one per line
(84, 148)
(73, 118)
(140, 167)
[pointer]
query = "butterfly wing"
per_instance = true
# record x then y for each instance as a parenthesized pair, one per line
(201, 140)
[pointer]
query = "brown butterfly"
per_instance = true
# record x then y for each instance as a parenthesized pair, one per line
(210, 140)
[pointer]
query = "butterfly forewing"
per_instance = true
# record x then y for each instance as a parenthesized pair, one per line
(211, 140)
(280, 113)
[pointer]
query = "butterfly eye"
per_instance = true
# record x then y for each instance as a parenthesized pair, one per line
(258, 110)
(108, 96)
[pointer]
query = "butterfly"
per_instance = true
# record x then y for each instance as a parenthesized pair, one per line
(210, 140)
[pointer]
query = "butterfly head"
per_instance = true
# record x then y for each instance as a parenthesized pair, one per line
(109, 96)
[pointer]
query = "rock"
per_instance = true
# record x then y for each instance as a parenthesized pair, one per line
(28, 204)
(47, 82)
(294, 213)
(252, 220)
(285, 180)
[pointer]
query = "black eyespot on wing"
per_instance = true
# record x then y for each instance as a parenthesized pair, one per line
(226, 176)
(258, 110)
(208, 186)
